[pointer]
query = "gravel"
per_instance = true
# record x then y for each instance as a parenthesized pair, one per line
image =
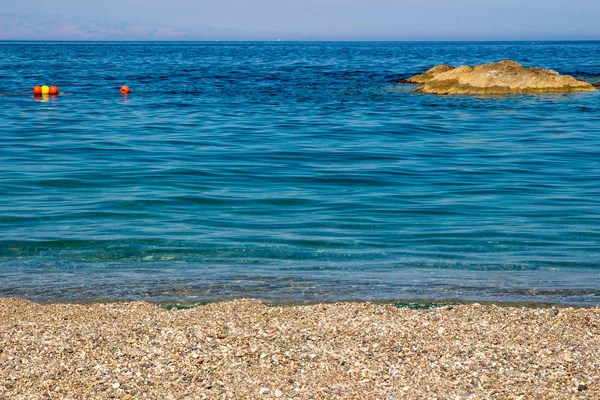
(246, 350)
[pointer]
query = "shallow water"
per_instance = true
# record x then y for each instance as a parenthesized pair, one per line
(294, 172)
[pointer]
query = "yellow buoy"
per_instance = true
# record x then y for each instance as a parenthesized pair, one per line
(45, 89)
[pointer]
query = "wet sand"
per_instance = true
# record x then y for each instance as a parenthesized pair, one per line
(246, 350)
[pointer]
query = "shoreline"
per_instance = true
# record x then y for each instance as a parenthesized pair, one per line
(244, 349)
(414, 303)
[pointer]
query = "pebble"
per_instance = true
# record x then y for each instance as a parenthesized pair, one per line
(362, 351)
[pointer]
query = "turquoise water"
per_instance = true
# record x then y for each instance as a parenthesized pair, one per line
(294, 172)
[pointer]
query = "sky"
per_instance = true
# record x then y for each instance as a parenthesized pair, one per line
(302, 19)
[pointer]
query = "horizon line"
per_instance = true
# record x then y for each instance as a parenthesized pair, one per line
(303, 41)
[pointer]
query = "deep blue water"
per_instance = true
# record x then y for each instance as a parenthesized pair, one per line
(294, 172)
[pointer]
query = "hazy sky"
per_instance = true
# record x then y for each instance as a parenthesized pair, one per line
(343, 19)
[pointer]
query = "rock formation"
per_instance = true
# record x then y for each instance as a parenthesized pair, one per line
(505, 77)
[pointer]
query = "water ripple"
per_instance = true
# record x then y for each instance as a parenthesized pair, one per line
(294, 172)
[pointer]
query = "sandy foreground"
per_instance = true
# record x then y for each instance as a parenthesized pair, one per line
(246, 350)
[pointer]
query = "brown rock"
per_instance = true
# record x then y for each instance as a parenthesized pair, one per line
(430, 74)
(505, 77)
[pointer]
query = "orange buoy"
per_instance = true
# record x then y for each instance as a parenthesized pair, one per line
(37, 89)
(53, 91)
(125, 90)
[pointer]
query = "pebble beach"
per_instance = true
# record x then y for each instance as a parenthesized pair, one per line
(245, 349)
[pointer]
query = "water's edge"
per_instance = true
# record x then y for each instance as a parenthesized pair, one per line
(415, 304)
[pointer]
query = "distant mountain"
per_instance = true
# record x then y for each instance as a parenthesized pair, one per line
(55, 27)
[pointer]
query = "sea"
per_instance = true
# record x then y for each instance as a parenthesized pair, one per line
(294, 172)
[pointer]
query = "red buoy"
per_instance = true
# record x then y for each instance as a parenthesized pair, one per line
(125, 90)
(53, 91)
(37, 90)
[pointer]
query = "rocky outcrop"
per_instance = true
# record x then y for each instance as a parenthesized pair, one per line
(505, 77)
(430, 74)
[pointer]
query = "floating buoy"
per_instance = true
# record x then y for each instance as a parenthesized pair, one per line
(45, 89)
(125, 90)
(53, 91)
(37, 90)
